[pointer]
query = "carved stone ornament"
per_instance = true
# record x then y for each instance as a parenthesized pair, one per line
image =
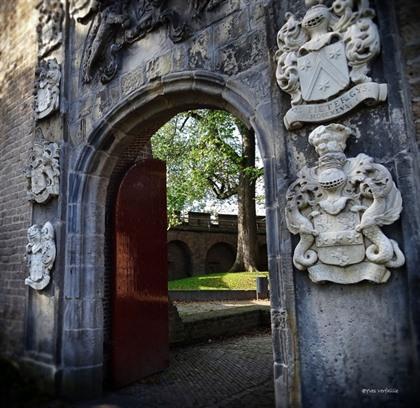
(117, 24)
(43, 172)
(40, 255)
(47, 88)
(337, 208)
(50, 35)
(323, 61)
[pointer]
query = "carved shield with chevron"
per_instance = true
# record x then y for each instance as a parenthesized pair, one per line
(323, 73)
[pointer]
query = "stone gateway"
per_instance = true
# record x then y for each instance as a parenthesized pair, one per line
(330, 89)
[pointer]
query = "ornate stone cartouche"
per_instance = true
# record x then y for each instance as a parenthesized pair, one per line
(337, 208)
(40, 255)
(323, 61)
(43, 172)
(47, 88)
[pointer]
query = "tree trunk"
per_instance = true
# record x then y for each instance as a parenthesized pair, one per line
(246, 254)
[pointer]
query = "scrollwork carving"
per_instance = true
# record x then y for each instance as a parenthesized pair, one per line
(337, 208)
(40, 255)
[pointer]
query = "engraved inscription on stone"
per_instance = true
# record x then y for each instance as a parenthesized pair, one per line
(337, 208)
(40, 255)
(325, 55)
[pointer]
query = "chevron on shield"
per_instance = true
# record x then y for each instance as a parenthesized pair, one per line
(323, 73)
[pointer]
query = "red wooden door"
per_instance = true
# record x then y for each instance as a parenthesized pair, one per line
(140, 302)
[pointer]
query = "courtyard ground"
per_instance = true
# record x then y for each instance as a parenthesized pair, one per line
(186, 309)
(229, 373)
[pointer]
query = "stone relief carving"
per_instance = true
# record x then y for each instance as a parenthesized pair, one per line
(47, 88)
(114, 25)
(326, 55)
(279, 319)
(50, 35)
(40, 255)
(43, 172)
(337, 208)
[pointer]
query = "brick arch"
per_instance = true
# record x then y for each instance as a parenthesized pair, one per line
(112, 147)
(179, 260)
(220, 257)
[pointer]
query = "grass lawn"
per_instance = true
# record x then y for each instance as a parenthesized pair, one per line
(218, 281)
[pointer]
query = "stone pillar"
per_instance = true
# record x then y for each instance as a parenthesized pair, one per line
(357, 334)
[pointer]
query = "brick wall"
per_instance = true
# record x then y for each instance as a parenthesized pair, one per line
(18, 53)
(409, 18)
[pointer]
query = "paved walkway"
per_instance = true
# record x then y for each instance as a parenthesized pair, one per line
(235, 372)
(192, 308)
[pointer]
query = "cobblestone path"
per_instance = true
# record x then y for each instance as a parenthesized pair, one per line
(230, 373)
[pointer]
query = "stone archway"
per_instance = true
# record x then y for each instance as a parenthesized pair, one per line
(112, 147)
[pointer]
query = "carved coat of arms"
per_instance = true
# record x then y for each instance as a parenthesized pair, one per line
(40, 255)
(322, 61)
(337, 208)
(51, 16)
(43, 172)
(47, 88)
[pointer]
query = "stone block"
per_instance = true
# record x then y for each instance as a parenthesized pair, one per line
(83, 347)
(230, 28)
(132, 81)
(200, 51)
(242, 54)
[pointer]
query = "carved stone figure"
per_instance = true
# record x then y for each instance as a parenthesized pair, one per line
(115, 25)
(47, 88)
(337, 208)
(40, 255)
(326, 55)
(50, 36)
(43, 172)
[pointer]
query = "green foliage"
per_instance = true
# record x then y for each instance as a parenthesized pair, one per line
(218, 281)
(203, 154)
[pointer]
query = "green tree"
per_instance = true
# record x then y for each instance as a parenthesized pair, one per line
(211, 154)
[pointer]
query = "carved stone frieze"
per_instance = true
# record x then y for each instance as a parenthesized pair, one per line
(50, 35)
(47, 88)
(43, 172)
(337, 208)
(40, 255)
(323, 61)
(115, 25)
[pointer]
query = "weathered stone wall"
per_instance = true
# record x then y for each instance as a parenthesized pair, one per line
(329, 341)
(409, 17)
(18, 54)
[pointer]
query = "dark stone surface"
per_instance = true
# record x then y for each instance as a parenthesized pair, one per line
(339, 338)
(231, 373)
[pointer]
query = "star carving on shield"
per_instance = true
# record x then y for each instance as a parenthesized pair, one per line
(306, 66)
(335, 54)
(324, 86)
